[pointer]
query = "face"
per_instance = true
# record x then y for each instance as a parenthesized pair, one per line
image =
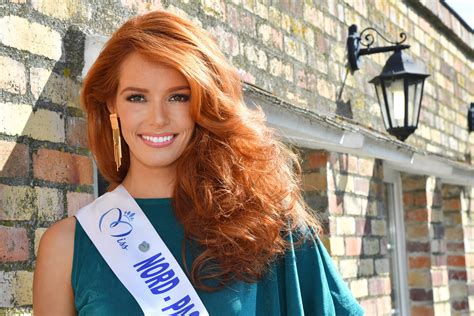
(152, 103)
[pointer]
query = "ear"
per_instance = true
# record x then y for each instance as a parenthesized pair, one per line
(111, 106)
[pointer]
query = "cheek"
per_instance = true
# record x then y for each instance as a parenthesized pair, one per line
(129, 120)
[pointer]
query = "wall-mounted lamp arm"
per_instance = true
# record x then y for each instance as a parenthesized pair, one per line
(384, 49)
(354, 41)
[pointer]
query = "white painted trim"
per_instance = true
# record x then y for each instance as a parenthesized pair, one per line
(314, 133)
(393, 177)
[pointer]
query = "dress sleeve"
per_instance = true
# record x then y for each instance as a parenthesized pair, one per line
(322, 290)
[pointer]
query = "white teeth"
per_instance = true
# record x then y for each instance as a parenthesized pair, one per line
(158, 139)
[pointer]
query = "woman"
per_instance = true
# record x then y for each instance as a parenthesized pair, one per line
(167, 126)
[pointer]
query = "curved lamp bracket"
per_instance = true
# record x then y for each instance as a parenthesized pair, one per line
(355, 40)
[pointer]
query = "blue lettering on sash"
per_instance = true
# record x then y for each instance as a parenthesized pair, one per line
(157, 274)
(160, 278)
(181, 307)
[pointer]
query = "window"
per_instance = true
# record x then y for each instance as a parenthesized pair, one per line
(396, 252)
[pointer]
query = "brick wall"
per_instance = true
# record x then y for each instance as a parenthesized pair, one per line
(354, 220)
(467, 207)
(437, 233)
(45, 169)
(422, 217)
(455, 249)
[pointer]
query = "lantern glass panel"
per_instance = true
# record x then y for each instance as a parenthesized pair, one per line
(396, 101)
(412, 88)
(417, 101)
(379, 92)
(415, 88)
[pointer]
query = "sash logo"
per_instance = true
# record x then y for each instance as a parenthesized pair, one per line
(117, 224)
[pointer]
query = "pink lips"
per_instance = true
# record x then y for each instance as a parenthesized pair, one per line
(152, 140)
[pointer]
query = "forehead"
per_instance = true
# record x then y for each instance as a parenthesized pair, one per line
(137, 69)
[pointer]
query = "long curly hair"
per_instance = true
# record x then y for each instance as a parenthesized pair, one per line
(238, 190)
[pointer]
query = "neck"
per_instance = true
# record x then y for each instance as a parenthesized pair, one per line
(142, 182)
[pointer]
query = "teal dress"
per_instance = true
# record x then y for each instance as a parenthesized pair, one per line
(303, 282)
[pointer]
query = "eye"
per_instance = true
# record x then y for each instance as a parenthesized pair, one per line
(135, 98)
(179, 98)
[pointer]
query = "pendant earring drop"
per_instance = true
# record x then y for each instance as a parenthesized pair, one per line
(116, 139)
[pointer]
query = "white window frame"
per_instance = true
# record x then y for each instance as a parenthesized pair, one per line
(397, 228)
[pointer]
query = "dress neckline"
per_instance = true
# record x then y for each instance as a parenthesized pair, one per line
(154, 201)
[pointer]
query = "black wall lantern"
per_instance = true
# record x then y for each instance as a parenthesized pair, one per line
(399, 87)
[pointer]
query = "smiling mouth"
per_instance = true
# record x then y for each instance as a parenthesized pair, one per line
(159, 139)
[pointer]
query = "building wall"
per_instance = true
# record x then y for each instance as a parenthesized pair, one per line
(293, 49)
(354, 222)
(348, 194)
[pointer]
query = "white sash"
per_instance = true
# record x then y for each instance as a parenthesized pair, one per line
(139, 258)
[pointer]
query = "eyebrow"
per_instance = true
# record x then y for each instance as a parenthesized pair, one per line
(146, 90)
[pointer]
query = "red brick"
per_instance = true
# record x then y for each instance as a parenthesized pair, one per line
(419, 295)
(420, 199)
(460, 305)
(420, 262)
(457, 275)
(316, 159)
(456, 261)
(416, 215)
(413, 183)
(408, 198)
(76, 132)
(76, 200)
(455, 246)
(422, 311)
(413, 246)
(14, 245)
(62, 167)
(314, 181)
(14, 160)
(353, 246)
(415, 231)
(454, 233)
(453, 204)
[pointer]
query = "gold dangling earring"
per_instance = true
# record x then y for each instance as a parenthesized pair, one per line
(116, 138)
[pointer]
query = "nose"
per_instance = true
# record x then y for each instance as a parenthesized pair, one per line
(159, 115)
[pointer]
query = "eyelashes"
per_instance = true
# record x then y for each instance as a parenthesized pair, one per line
(136, 98)
(139, 98)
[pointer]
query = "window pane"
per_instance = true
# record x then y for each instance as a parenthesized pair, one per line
(392, 248)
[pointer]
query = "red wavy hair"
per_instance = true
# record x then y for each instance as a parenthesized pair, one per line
(238, 189)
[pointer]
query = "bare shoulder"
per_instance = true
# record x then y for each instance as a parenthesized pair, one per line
(52, 289)
(63, 229)
(58, 241)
